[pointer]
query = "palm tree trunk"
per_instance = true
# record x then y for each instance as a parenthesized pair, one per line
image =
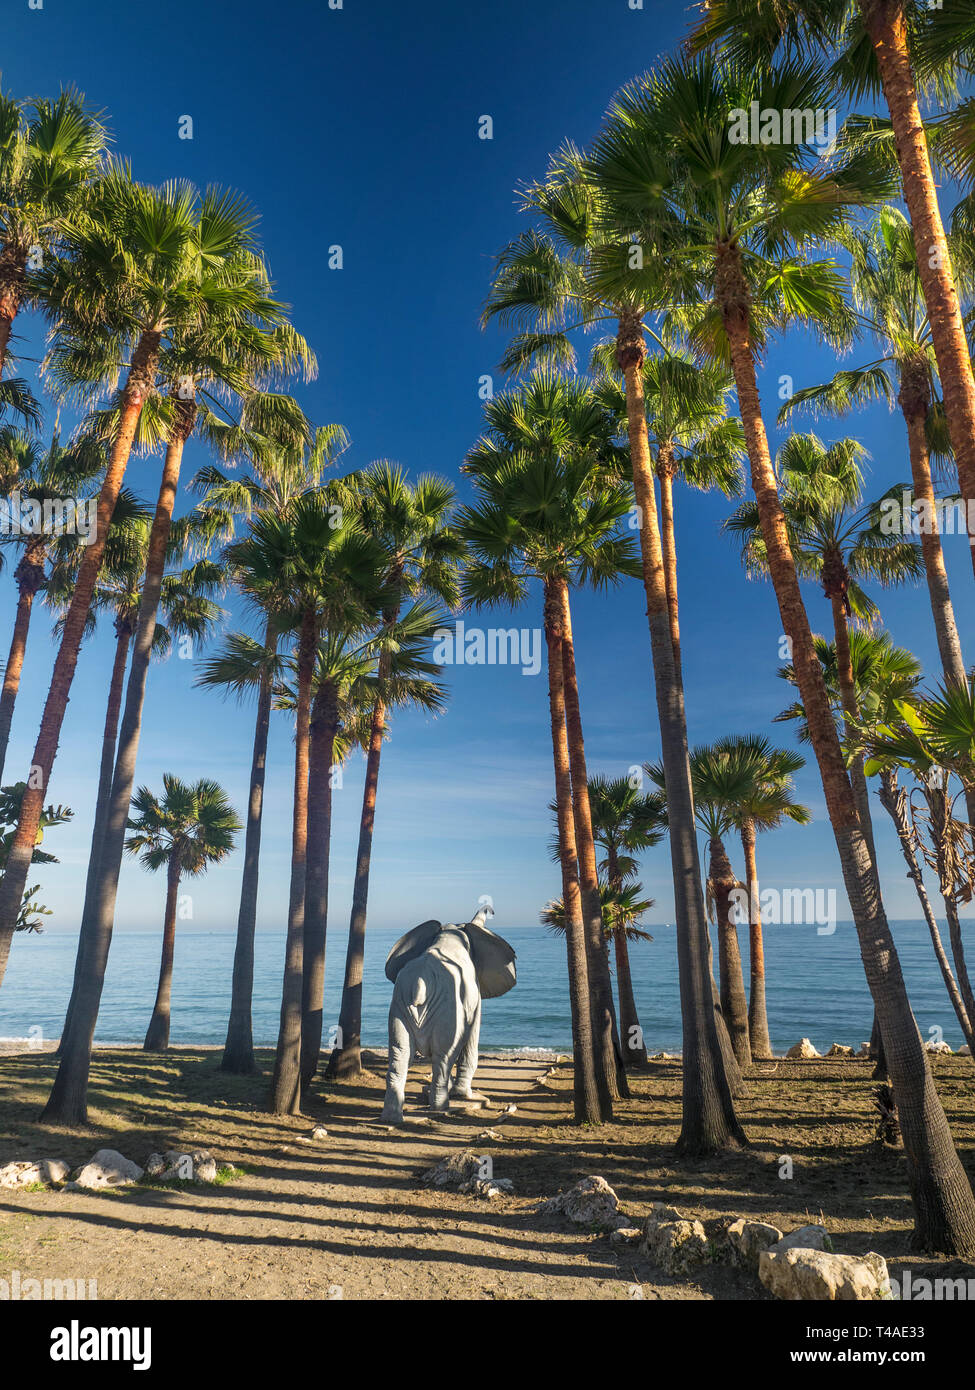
(734, 1003)
(894, 801)
(123, 638)
(67, 1103)
(286, 1082)
(758, 1034)
(886, 27)
(585, 1091)
(668, 543)
(140, 380)
(157, 1034)
(944, 1207)
(13, 276)
(634, 1043)
(29, 575)
(238, 1051)
(709, 1122)
(345, 1062)
(324, 727)
(600, 983)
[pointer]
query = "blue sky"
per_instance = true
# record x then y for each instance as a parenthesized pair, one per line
(358, 127)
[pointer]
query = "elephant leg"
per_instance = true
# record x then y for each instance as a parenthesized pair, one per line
(467, 1063)
(400, 1051)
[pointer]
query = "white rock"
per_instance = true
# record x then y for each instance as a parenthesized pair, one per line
(840, 1050)
(964, 1051)
(319, 1132)
(183, 1165)
(591, 1202)
(864, 1051)
(26, 1172)
(932, 1046)
(492, 1187)
(108, 1168)
(806, 1237)
(823, 1277)
(749, 1238)
(802, 1049)
(490, 1134)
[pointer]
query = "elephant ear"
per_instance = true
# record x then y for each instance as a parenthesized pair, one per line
(413, 944)
(494, 961)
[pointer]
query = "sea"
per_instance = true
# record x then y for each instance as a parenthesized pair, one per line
(815, 988)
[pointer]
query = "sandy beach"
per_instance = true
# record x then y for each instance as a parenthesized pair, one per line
(347, 1216)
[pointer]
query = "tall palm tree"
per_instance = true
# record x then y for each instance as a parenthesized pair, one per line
(49, 150)
(574, 270)
(228, 336)
(625, 822)
(132, 261)
(555, 515)
(310, 572)
(281, 473)
(185, 831)
(39, 477)
(346, 685)
(923, 732)
(763, 804)
(411, 522)
(890, 305)
(737, 218)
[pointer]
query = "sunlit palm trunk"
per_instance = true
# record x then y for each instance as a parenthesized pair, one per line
(345, 1061)
(668, 545)
(709, 1122)
(894, 801)
(324, 726)
(734, 1005)
(238, 1052)
(68, 1100)
(943, 1203)
(123, 639)
(609, 1077)
(141, 376)
(758, 1034)
(286, 1082)
(157, 1035)
(30, 578)
(887, 29)
(585, 1091)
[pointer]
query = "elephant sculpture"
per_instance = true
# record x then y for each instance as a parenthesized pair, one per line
(440, 975)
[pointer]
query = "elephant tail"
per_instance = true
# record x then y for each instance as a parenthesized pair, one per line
(418, 998)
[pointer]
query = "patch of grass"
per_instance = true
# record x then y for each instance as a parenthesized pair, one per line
(230, 1172)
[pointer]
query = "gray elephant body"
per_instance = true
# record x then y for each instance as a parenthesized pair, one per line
(440, 974)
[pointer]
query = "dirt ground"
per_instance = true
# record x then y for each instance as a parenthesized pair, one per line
(346, 1216)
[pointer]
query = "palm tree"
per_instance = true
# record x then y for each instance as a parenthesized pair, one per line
(133, 259)
(763, 804)
(49, 150)
(573, 270)
(229, 336)
(10, 799)
(728, 214)
(187, 830)
(691, 437)
(309, 572)
(411, 524)
(554, 514)
(918, 738)
(625, 822)
(245, 664)
(892, 48)
(889, 303)
(345, 689)
(40, 479)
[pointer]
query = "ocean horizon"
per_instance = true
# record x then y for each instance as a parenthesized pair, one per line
(815, 988)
